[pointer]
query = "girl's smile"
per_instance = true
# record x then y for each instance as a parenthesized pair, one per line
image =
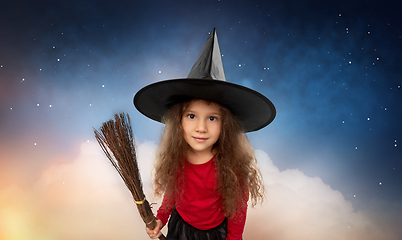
(197, 139)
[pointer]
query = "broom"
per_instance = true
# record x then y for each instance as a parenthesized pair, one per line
(117, 142)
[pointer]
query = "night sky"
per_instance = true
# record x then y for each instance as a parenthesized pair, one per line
(331, 159)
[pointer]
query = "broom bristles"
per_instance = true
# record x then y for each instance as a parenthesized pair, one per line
(117, 142)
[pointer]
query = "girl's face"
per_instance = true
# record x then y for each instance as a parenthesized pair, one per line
(201, 124)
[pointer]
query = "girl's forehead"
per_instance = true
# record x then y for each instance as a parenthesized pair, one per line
(203, 104)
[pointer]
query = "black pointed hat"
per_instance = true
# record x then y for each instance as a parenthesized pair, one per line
(206, 80)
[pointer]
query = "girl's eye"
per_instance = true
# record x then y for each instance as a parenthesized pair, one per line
(191, 116)
(212, 118)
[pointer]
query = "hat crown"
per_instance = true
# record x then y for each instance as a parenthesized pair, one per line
(209, 63)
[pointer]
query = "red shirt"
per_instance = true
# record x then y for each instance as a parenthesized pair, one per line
(201, 204)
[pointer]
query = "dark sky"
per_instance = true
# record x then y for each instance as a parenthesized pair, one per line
(332, 69)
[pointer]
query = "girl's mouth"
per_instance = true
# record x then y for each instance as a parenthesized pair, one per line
(198, 139)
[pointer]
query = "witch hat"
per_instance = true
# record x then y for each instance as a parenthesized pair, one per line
(206, 80)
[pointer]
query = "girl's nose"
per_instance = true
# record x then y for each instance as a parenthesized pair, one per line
(201, 126)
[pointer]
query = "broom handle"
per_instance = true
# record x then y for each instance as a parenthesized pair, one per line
(147, 215)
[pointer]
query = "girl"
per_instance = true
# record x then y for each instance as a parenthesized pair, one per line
(205, 166)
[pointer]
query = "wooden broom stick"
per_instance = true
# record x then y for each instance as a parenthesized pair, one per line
(117, 142)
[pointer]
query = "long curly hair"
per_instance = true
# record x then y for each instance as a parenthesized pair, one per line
(237, 173)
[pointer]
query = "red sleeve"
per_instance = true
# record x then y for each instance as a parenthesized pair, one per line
(165, 209)
(236, 224)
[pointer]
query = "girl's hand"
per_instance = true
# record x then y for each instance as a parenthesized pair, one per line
(156, 232)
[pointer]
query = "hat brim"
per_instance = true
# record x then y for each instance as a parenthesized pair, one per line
(251, 108)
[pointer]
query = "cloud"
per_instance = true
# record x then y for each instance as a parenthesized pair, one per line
(80, 199)
(301, 207)
(86, 199)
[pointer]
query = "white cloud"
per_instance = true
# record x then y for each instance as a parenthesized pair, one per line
(86, 199)
(80, 199)
(300, 207)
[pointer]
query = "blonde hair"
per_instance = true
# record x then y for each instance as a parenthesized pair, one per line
(237, 173)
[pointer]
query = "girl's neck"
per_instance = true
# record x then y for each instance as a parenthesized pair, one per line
(195, 158)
